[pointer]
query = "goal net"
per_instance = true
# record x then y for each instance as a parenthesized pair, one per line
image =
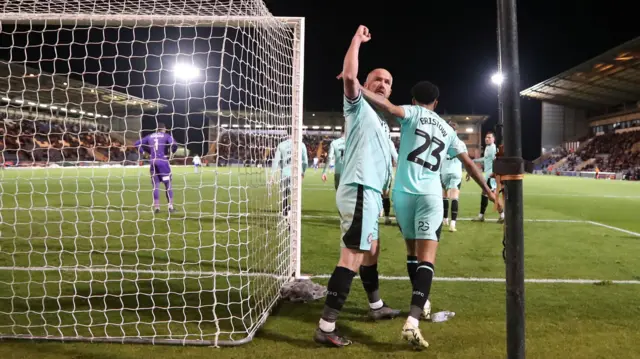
(107, 239)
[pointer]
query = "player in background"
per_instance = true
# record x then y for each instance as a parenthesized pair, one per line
(157, 144)
(335, 155)
(425, 139)
(451, 177)
(196, 163)
(366, 172)
(315, 163)
(282, 163)
(386, 200)
(487, 160)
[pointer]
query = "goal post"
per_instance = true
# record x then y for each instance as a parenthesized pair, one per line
(84, 254)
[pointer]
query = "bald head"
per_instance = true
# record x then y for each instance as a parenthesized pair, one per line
(379, 81)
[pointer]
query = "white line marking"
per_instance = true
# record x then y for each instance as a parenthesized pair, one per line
(181, 274)
(614, 228)
(533, 194)
(501, 280)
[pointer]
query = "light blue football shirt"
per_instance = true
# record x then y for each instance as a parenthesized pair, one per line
(425, 141)
(282, 158)
(451, 166)
(487, 159)
(367, 160)
(336, 153)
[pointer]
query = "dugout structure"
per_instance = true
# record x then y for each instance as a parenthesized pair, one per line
(591, 98)
(83, 255)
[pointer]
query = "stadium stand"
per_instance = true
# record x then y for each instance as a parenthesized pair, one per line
(591, 116)
(47, 119)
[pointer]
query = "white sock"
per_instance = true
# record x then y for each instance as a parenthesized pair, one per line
(480, 215)
(502, 215)
(326, 326)
(376, 305)
(453, 223)
(413, 321)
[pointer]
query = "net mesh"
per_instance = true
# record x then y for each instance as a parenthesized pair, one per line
(84, 255)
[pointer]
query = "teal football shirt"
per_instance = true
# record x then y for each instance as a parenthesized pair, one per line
(425, 141)
(282, 158)
(367, 160)
(451, 166)
(336, 153)
(487, 159)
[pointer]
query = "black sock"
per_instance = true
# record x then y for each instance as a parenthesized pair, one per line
(412, 267)
(454, 209)
(337, 292)
(445, 205)
(386, 204)
(370, 282)
(421, 288)
(484, 202)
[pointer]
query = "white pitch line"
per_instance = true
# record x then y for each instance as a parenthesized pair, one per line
(534, 194)
(614, 228)
(200, 274)
(144, 210)
(501, 280)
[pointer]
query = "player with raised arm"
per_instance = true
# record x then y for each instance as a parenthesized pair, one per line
(196, 163)
(425, 139)
(157, 144)
(336, 156)
(451, 177)
(487, 160)
(282, 164)
(366, 172)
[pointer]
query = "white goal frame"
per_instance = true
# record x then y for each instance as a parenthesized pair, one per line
(298, 26)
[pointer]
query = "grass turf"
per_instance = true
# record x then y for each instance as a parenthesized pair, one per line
(104, 210)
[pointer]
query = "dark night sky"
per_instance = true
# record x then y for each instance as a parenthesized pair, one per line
(453, 44)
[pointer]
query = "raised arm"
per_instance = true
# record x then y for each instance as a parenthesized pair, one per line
(383, 104)
(350, 65)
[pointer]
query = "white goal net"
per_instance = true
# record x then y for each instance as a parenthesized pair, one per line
(106, 233)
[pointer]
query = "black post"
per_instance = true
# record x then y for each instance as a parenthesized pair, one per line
(513, 231)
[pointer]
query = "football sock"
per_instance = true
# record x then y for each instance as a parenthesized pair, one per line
(412, 267)
(445, 205)
(337, 292)
(484, 202)
(421, 289)
(371, 284)
(454, 209)
(386, 204)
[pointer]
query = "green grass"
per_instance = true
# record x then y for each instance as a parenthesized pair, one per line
(97, 216)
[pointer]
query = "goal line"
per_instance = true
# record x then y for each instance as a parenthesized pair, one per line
(177, 274)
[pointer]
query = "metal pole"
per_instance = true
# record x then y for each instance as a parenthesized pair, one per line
(513, 231)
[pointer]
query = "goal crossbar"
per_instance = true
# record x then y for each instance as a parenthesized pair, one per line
(146, 20)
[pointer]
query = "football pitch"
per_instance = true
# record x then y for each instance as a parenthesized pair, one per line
(582, 240)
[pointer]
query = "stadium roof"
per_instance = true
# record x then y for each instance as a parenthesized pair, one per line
(607, 80)
(22, 83)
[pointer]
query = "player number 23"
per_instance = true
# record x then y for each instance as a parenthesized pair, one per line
(413, 155)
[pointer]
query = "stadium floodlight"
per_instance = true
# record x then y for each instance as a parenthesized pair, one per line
(97, 264)
(497, 78)
(185, 72)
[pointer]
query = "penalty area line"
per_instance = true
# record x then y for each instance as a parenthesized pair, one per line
(498, 280)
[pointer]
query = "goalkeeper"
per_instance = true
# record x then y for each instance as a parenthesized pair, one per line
(157, 144)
